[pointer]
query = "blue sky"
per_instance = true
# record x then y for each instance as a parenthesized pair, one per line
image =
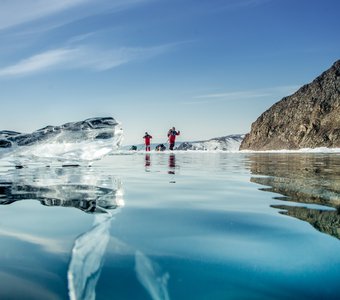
(208, 67)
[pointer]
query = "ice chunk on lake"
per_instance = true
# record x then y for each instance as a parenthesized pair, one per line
(74, 142)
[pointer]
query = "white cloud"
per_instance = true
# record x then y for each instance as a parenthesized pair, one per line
(108, 59)
(235, 95)
(250, 94)
(38, 62)
(17, 12)
(243, 4)
(39, 16)
(81, 58)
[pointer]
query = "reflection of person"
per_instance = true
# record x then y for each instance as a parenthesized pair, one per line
(147, 160)
(172, 137)
(172, 164)
(147, 137)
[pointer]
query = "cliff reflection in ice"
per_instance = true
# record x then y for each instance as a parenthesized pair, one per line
(304, 179)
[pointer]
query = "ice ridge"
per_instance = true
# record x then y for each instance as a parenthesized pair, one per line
(72, 142)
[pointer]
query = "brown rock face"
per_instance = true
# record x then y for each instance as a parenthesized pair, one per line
(309, 118)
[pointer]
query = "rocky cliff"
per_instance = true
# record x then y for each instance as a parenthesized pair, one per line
(309, 118)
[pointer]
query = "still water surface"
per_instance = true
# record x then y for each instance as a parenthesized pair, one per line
(173, 226)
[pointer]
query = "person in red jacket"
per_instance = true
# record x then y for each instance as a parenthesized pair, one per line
(172, 137)
(147, 137)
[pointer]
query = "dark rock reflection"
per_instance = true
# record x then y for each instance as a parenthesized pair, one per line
(304, 179)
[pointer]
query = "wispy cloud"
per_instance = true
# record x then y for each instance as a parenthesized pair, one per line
(28, 22)
(81, 57)
(235, 95)
(17, 12)
(102, 60)
(239, 95)
(243, 4)
(39, 62)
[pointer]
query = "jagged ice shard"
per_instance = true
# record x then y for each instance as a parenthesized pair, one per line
(73, 142)
(151, 277)
(86, 261)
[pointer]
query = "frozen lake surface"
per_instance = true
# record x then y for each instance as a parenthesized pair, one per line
(173, 226)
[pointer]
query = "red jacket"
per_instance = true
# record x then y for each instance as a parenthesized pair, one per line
(147, 138)
(172, 135)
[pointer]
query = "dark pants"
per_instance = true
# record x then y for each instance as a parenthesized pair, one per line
(172, 146)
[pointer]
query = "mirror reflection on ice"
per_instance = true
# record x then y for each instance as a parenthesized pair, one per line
(95, 192)
(73, 142)
(81, 188)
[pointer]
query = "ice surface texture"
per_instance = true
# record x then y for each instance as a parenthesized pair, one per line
(82, 188)
(74, 142)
